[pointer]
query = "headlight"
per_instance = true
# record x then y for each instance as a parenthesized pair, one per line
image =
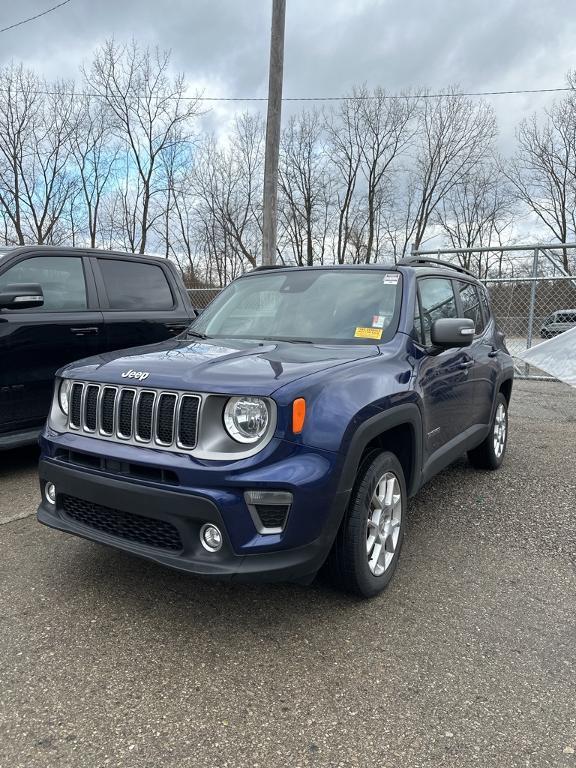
(246, 418)
(64, 395)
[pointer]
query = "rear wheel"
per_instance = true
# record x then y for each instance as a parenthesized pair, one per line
(490, 453)
(366, 550)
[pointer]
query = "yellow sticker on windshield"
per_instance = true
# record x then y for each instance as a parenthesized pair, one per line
(368, 333)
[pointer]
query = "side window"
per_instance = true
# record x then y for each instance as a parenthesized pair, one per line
(436, 301)
(485, 305)
(61, 278)
(134, 285)
(471, 305)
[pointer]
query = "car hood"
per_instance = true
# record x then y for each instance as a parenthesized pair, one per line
(217, 365)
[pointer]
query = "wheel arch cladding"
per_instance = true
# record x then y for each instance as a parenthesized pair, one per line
(399, 431)
(506, 388)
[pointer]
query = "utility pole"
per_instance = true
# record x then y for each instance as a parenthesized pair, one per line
(270, 222)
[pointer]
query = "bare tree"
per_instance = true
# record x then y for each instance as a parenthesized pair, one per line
(476, 212)
(227, 182)
(35, 179)
(543, 171)
(20, 109)
(367, 136)
(96, 155)
(454, 134)
(384, 131)
(306, 187)
(150, 113)
(342, 132)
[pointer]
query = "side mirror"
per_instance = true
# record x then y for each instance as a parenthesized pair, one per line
(452, 332)
(21, 296)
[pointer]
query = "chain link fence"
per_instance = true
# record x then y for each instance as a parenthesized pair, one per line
(201, 297)
(532, 310)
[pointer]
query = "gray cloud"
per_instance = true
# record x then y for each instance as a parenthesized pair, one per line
(331, 45)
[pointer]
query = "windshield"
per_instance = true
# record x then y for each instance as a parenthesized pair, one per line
(332, 306)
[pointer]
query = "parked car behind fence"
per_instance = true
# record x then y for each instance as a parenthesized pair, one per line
(558, 322)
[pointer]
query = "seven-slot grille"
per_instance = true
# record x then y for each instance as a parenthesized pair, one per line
(142, 415)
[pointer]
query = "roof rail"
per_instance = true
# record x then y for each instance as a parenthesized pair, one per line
(264, 267)
(414, 261)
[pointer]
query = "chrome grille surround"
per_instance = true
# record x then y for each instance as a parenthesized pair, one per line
(148, 426)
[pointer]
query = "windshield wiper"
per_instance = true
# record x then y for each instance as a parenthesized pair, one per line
(295, 341)
(196, 334)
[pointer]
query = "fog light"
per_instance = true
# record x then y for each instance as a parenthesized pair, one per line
(50, 493)
(211, 537)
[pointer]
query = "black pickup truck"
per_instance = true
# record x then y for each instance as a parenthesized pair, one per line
(61, 304)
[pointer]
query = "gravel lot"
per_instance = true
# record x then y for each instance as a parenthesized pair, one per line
(467, 660)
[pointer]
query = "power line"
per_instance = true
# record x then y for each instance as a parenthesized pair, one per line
(417, 95)
(373, 97)
(38, 15)
(362, 97)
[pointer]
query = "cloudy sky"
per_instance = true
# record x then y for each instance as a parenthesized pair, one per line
(331, 45)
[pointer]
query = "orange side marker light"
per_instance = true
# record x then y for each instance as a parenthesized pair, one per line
(298, 415)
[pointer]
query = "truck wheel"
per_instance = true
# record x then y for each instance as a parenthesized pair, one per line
(490, 453)
(365, 553)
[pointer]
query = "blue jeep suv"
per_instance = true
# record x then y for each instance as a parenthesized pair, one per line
(286, 428)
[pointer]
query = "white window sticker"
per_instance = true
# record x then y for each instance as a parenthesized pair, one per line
(391, 278)
(378, 321)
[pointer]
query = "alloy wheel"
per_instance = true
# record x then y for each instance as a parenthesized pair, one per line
(383, 524)
(500, 430)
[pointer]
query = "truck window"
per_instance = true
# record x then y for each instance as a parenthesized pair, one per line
(133, 285)
(61, 278)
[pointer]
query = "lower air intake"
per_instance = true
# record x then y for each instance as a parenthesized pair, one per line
(124, 525)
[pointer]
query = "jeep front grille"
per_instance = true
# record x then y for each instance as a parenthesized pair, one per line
(131, 414)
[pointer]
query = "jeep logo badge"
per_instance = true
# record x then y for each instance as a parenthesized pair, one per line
(140, 375)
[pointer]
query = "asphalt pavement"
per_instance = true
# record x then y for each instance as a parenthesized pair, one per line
(468, 659)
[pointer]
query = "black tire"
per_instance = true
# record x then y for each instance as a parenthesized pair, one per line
(485, 455)
(348, 562)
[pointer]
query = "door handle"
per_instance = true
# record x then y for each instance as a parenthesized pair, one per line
(467, 364)
(86, 331)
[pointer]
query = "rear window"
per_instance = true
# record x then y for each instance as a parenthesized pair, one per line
(133, 285)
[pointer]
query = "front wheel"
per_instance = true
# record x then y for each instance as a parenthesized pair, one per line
(490, 453)
(365, 553)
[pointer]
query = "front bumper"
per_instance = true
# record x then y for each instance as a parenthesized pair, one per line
(186, 511)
